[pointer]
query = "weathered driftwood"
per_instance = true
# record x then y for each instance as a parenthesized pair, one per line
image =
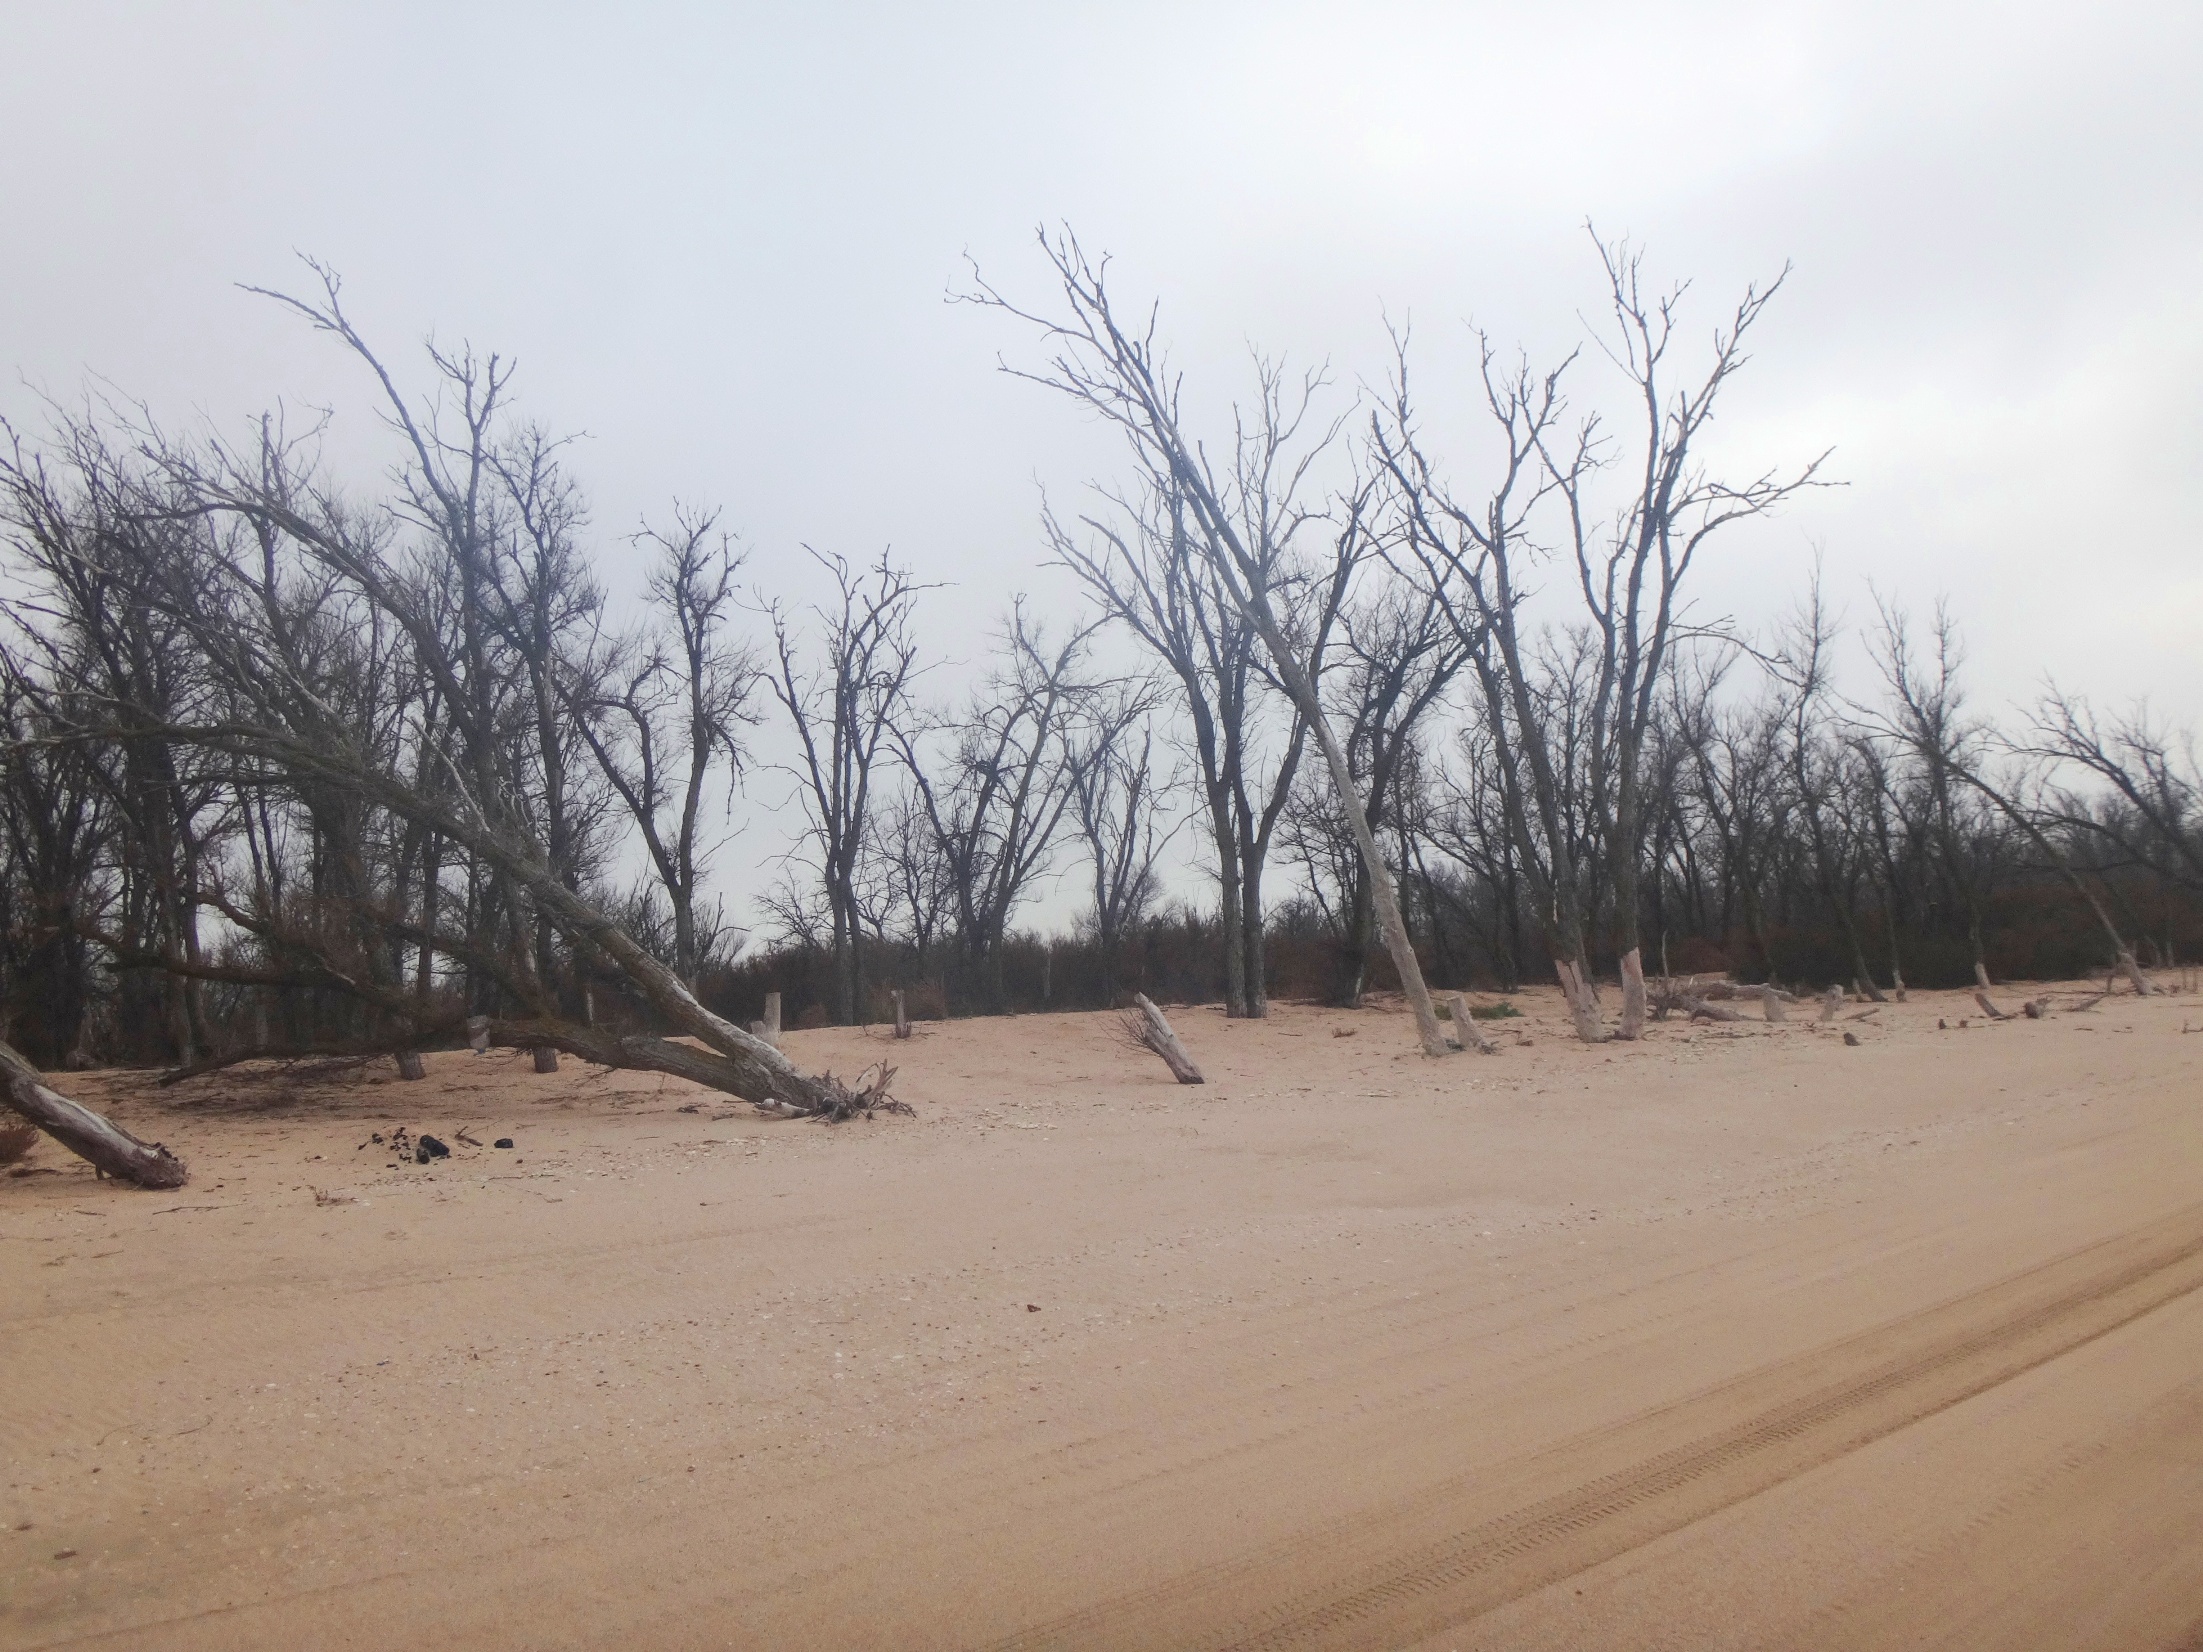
(1770, 1004)
(83, 1132)
(410, 1065)
(546, 1059)
(1989, 1009)
(2035, 1008)
(1146, 1026)
(1468, 1032)
(1832, 1003)
(770, 1027)
(1699, 1010)
(478, 1034)
(902, 1016)
(1865, 1014)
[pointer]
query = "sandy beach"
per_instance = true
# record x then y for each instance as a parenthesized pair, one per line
(1740, 1337)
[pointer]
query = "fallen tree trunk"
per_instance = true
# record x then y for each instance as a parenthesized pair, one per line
(1147, 1027)
(1700, 1010)
(110, 1148)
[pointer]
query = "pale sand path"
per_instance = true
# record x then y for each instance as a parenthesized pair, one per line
(1737, 1339)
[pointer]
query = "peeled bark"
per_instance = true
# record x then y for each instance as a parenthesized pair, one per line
(108, 1147)
(1633, 995)
(1468, 1032)
(1150, 1030)
(1575, 986)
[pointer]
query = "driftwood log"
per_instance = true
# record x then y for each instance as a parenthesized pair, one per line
(1147, 1027)
(1989, 1009)
(109, 1147)
(1468, 1032)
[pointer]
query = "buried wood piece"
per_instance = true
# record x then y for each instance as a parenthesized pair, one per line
(1700, 1010)
(1146, 1027)
(1832, 1003)
(1770, 1004)
(902, 1016)
(769, 1028)
(410, 1065)
(110, 1148)
(1468, 1032)
(546, 1059)
(1990, 1009)
(2035, 1008)
(1864, 1014)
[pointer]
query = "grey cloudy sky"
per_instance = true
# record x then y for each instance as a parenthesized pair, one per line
(718, 240)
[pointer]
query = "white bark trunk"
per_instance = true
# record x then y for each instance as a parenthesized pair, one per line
(1469, 1032)
(1158, 1036)
(1575, 987)
(1633, 995)
(109, 1147)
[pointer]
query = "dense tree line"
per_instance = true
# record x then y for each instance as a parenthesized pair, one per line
(289, 769)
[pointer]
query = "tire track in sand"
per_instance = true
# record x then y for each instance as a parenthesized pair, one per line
(1475, 1541)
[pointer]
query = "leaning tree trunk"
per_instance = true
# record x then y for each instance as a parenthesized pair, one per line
(83, 1132)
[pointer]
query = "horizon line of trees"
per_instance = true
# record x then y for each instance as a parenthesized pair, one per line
(289, 770)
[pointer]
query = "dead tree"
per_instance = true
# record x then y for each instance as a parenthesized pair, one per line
(997, 796)
(1468, 1032)
(841, 708)
(265, 579)
(1241, 524)
(1146, 1026)
(1470, 557)
(665, 710)
(109, 1148)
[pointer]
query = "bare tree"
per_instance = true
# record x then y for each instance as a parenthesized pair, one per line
(1118, 805)
(1241, 521)
(842, 708)
(662, 712)
(998, 793)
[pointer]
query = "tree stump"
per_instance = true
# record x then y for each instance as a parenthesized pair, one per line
(546, 1059)
(410, 1064)
(110, 1148)
(478, 1034)
(769, 1028)
(1770, 1003)
(1151, 1031)
(1468, 1032)
(1832, 1003)
(902, 1016)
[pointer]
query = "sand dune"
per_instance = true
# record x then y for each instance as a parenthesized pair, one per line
(1738, 1338)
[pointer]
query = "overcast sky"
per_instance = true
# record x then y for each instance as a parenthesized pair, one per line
(718, 240)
